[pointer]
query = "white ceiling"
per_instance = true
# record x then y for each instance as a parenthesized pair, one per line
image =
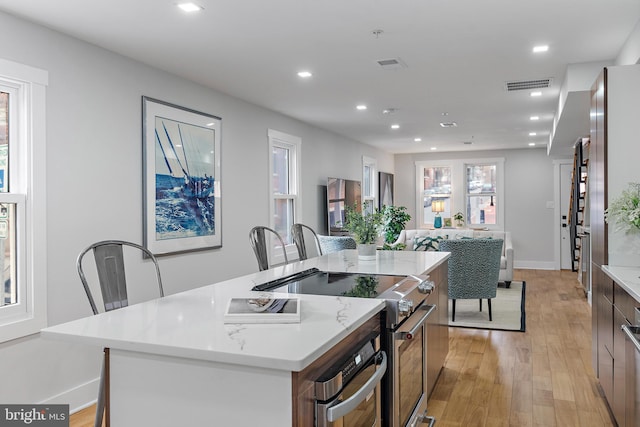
(458, 53)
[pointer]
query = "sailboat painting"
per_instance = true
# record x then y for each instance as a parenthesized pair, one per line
(182, 159)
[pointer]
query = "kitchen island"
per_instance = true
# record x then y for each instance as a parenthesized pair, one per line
(173, 359)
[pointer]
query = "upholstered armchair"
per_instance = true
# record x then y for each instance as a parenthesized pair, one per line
(330, 244)
(474, 269)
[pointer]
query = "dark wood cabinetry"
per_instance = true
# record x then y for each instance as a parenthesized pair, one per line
(613, 120)
(602, 293)
(437, 326)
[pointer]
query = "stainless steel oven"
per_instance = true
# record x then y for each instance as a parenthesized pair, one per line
(404, 336)
(407, 376)
(350, 394)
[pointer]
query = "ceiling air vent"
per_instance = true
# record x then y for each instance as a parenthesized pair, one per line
(392, 64)
(527, 84)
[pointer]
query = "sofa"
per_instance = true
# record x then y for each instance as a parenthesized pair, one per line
(429, 239)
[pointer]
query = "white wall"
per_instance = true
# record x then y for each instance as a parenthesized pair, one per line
(630, 53)
(529, 185)
(94, 184)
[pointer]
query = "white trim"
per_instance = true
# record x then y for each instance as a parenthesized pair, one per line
(30, 83)
(373, 179)
(534, 265)
(294, 143)
(78, 398)
(458, 202)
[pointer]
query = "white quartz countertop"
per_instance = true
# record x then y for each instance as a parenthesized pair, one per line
(190, 324)
(627, 277)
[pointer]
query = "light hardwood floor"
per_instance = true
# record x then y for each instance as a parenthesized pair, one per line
(542, 377)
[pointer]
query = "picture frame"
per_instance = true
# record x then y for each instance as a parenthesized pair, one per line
(181, 178)
(385, 189)
(447, 222)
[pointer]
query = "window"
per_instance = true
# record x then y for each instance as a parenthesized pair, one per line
(285, 185)
(369, 187)
(481, 194)
(435, 184)
(22, 200)
(473, 187)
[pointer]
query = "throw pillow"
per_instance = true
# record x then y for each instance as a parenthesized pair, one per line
(427, 243)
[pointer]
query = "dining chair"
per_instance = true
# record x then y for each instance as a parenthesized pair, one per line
(298, 234)
(474, 270)
(258, 239)
(110, 270)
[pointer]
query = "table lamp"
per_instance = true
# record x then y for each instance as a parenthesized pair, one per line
(437, 206)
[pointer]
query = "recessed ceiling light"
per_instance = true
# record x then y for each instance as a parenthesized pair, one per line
(434, 148)
(536, 93)
(532, 133)
(448, 124)
(395, 126)
(532, 144)
(541, 48)
(417, 139)
(190, 7)
(534, 118)
(304, 74)
(361, 107)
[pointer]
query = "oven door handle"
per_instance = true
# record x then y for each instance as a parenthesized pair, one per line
(410, 334)
(338, 411)
(629, 333)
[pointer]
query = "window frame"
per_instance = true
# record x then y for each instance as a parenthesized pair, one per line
(27, 180)
(459, 188)
(372, 198)
(498, 198)
(292, 143)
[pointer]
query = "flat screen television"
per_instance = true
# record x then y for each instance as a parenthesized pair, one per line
(341, 193)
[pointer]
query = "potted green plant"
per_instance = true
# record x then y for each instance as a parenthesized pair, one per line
(459, 218)
(365, 227)
(394, 218)
(624, 211)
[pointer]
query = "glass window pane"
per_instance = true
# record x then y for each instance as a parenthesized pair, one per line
(481, 179)
(436, 186)
(481, 209)
(8, 283)
(4, 141)
(280, 170)
(283, 220)
(367, 181)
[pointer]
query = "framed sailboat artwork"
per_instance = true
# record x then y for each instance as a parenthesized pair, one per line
(181, 178)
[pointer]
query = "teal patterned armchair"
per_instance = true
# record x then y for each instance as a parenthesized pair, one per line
(330, 244)
(474, 268)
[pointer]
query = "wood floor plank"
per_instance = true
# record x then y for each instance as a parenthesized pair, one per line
(542, 377)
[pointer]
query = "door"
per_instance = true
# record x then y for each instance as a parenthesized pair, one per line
(566, 173)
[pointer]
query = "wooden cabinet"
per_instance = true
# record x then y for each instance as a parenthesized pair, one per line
(613, 115)
(601, 308)
(437, 326)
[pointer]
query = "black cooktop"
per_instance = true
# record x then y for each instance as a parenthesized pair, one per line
(316, 282)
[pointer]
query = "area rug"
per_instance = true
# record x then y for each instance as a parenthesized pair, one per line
(507, 310)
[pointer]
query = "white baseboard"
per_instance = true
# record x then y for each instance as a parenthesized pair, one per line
(77, 398)
(535, 265)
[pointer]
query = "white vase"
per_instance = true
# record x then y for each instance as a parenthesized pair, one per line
(367, 251)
